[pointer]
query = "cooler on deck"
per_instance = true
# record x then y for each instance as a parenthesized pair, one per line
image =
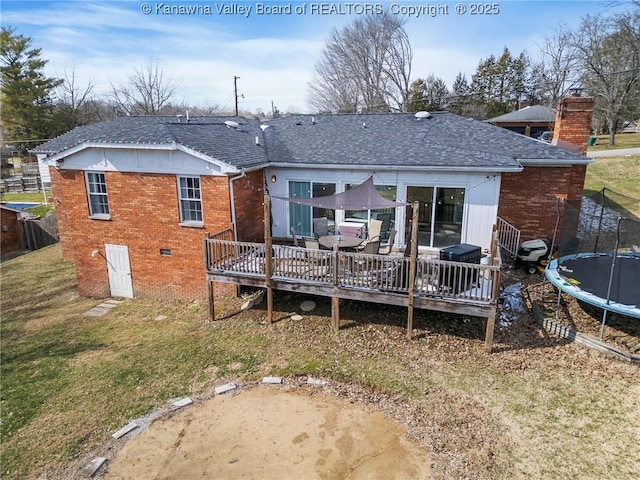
(459, 279)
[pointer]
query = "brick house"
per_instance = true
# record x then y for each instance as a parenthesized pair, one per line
(10, 239)
(135, 196)
(529, 120)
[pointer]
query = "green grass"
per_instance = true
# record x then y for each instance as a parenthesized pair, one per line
(40, 210)
(24, 197)
(618, 174)
(622, 140)
(69, 381)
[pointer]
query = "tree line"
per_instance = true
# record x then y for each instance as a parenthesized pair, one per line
(365, 67)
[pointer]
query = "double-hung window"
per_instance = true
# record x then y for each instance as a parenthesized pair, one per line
(190, 199)
(97, 193)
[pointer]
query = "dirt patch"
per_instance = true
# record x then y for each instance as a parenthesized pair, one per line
(268, 432)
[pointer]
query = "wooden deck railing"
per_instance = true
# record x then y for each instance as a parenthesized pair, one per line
(379, 273)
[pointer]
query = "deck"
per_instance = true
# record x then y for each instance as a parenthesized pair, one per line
(408, 281)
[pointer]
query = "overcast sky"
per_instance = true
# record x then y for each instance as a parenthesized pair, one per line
(202, 45)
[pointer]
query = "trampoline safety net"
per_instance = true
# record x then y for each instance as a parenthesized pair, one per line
(601, 223)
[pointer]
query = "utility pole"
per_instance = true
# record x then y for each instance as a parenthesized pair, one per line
(235, 90)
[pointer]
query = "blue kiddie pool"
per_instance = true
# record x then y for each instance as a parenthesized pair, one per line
(21, 205)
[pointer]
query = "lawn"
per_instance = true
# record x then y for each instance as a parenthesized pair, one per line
(622, 140)
(618, 174)
(537, 407)
(40, 210)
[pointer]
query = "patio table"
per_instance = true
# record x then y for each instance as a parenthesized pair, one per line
(343, 241)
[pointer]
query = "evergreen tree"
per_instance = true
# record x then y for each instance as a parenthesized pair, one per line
(460, 95)
(25, 91)
(499, 83)
(417, 96)
(436, 93)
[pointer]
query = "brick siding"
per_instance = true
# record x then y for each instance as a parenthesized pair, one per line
(573, 120)
(10, 235)
(528, 200)
(144, 217)
(249, 197)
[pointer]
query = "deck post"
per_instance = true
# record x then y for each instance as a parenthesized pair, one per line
(211, 298)
(412, 268)
(268, 257)
(335, 300)
(488, 339)
(495, 279)
(335, 313)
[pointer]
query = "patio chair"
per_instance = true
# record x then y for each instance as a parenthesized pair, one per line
(386, 249)
(317, 265)
(385, 218)
(311, 243)
(320, 226)
(373, 233)
(372, 246)
(295, 238)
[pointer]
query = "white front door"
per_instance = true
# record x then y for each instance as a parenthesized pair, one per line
(119, 270)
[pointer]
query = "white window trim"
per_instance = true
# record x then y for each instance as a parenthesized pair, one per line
(189, 223)
(92, 215)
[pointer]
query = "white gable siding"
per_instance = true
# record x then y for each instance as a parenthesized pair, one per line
(139, 161)
(45, 176)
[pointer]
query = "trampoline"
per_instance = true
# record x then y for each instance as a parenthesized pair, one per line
(590, 277)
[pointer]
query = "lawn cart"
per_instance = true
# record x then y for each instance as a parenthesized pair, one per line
(534, 254)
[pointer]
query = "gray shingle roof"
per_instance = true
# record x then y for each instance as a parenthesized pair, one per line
(444, 140)
(207, 135)
(398, 140)
(532, 113)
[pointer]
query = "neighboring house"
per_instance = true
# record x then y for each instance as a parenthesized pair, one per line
(10, 239)
(529, 120)
(630, 127)
(136, 195)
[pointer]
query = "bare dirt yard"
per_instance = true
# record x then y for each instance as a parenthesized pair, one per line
(269, 433)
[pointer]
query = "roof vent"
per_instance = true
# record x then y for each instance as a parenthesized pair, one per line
(364, 125)
(313, 120)
(257, 140)
(422, 114)
(179, 117)
(231, 124)
(263, 127)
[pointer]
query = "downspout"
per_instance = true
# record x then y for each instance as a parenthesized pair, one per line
(233, 204)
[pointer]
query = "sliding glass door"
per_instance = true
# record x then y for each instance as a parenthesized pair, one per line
(440, 215)
(301, 216)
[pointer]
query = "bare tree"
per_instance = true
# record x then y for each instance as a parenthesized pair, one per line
(559, 68)
(73, 99)
(609, 53)
(147, 92)
(366, 66)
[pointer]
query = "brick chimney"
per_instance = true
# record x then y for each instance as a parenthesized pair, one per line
(573, 121)
(523, 104)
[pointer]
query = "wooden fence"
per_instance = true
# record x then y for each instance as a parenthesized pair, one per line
(38, 232)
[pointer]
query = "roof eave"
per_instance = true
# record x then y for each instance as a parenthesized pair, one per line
(444, 168)
(545, 162)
